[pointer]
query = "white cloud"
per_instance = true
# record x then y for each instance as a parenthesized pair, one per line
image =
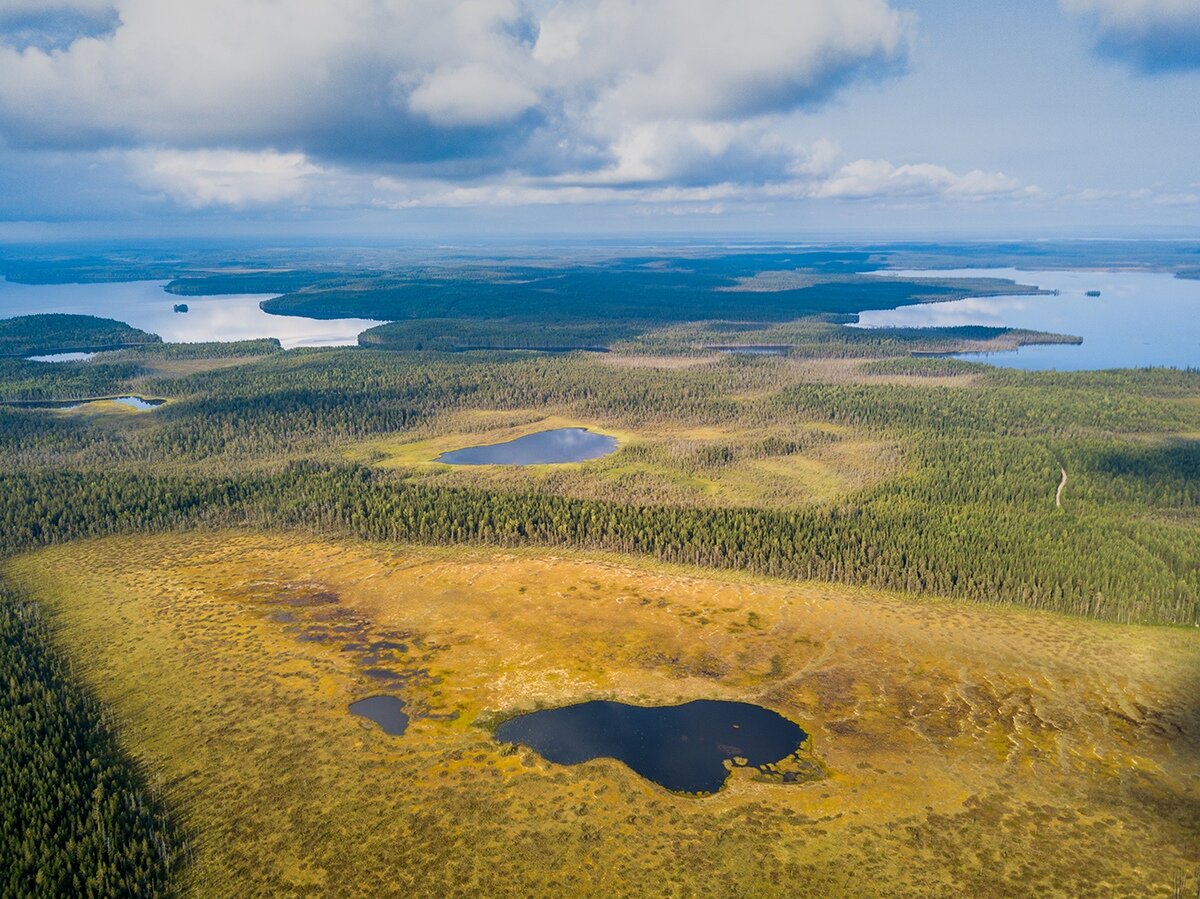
(200, 178)
(1151, 35)
(547, 84)
(812, 176)
(400, 103)
(878, 178)
(470, 95)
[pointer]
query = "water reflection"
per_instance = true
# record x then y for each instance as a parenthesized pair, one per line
(1139, 319)
(145, 305)
(543, 448)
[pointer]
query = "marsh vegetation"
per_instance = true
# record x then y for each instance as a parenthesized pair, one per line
(231, 576)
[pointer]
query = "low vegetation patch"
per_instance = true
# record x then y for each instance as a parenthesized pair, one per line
(954, 750)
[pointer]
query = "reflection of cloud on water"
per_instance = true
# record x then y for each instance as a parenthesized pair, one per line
(144, 304)
(954, 314)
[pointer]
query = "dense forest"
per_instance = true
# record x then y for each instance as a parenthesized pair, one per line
(970, 514)
(626, 294)
(77, 819)
(28, 335)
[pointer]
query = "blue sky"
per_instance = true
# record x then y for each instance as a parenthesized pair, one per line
(447, 117)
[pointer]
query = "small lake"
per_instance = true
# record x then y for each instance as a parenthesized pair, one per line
(386, 711)
(62, 357)
(779, 350)
(133, 402)
(543, 448)
(1139, 319)
(145, 305)
(683, 747)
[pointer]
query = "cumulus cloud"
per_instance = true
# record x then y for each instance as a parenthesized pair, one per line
(1150, 35)
(876, 178)
(541, 84)
(54, 24)
(200, 178)
(402, 103)
(812, 174)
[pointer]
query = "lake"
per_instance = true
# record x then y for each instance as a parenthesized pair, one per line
(683, 747)
(386, 711)
(1140, 318)
(543, 448)
(133, 402)
(145, 305)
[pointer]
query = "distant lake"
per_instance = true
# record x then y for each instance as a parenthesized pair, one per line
(62, 357)
(543, 448)
(681, 747)
(1140, 318)
(133, 402)
(145, 305)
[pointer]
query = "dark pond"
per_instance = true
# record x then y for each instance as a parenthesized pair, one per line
(542, 448)
(681, 747)
(386, 711)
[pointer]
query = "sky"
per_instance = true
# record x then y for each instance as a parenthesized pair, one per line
(785, 118)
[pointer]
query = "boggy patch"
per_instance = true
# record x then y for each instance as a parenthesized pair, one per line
(397, 662)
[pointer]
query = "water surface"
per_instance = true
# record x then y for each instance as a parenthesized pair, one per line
(1140, 318)
(386, 711)
(145, 305)
(61, 357)
(543, 448)
(683, 748)
(133, 402)
(780, 350)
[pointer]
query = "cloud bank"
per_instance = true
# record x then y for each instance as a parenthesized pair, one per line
(401, 103)
(1150, 35)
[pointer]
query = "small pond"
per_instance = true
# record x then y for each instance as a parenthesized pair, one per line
(543, 448)
(386, 711)
(683, 747)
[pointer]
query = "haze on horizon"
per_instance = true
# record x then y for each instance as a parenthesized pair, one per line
(455, 117)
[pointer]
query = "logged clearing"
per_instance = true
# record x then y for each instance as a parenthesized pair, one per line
(965, 751)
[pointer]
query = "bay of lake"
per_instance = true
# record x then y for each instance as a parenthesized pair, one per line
(145, 305)
(1140, 318)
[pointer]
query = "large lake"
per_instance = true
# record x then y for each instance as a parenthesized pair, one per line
(145, 305)
(1140, 318)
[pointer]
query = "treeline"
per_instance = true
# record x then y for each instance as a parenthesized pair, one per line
(76, 818)
(23, 381)
(1121, 569)
(458, 335)
(232, 349)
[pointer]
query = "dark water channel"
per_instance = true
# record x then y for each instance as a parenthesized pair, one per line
(683, 748)
(543, 448)
(386, 711)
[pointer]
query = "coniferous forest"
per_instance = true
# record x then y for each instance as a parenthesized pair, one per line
(1070, 493)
